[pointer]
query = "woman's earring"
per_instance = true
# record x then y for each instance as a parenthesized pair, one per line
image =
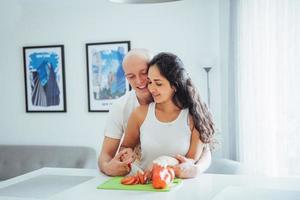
(174, 88)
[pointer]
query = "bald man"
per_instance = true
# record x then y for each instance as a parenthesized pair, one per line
(135, 65)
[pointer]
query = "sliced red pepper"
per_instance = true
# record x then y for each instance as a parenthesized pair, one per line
(129, 180)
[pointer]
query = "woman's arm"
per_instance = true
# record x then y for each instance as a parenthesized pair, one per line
(196, 145)
(205, 160)
(132, 133)
(189, 169)
(197, 153)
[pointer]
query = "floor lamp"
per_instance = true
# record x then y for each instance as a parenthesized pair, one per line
(207, 69)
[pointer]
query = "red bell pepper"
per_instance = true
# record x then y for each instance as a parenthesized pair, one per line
(162, 176)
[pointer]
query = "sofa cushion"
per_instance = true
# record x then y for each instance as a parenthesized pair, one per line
(20, 159)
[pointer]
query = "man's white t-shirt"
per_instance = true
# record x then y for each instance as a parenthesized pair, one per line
(119, 114)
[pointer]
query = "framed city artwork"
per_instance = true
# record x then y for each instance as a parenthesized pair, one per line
(44, 77)
(106, 80)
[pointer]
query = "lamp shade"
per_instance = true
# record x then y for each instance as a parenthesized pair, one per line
(142, 1)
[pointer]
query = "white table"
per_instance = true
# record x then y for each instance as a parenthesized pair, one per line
(206, 186)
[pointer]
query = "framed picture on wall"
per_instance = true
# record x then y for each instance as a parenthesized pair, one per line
(44, 78)
(105, 76)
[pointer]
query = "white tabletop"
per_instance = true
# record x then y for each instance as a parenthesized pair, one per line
(206, 186)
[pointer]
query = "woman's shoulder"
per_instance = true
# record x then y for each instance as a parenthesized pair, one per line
(191, 122)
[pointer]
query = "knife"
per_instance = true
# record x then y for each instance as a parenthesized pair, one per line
(134, 169)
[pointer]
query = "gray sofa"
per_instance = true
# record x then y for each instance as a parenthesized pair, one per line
(20, 159)
(16, 160)
(226, 166)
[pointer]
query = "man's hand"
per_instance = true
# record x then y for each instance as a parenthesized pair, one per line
(127, 155)
(120, 165)
(186, 167)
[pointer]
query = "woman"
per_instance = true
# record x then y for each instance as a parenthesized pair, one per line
(176, 122)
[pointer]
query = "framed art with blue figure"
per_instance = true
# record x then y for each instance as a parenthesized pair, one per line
(106, 79)
(44, 78)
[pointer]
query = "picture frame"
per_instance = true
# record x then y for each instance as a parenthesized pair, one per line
(44, 75)
(106, 79)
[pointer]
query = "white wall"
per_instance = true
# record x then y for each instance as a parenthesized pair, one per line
(190, 29)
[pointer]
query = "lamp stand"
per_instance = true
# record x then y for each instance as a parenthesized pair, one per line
(207, 69)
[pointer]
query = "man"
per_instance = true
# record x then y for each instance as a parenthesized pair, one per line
(135, 65)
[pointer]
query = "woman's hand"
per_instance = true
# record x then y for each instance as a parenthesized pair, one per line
(186, 167)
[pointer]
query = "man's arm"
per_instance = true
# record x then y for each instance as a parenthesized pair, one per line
(109, 162)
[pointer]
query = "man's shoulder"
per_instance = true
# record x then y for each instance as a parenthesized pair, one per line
(128, 97)
(125, 101)
(141, 110)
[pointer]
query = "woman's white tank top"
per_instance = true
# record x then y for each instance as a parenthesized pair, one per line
(163, 138)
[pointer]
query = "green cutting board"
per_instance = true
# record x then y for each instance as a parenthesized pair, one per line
(115, 184)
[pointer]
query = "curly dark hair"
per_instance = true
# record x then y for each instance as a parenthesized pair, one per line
(186, 96)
